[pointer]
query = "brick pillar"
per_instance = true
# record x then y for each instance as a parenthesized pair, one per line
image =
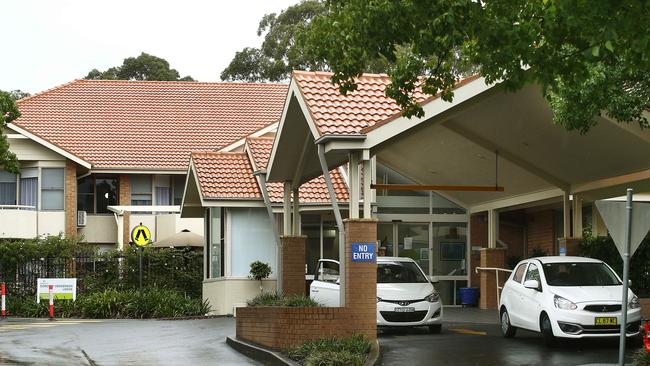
(293, 265)
(570, 245)
(70, 198)
(125, 200)
(361, 278)
(494, 258)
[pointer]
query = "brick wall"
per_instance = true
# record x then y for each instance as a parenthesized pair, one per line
(125, 200)
(293, 265)
(540, 232)
(494, 258)
(645, 308)
(70, 198)
(281, 327)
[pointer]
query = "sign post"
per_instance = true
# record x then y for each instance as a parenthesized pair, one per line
(627, 236)
(3, 290)
(141, 237)
(51, 297)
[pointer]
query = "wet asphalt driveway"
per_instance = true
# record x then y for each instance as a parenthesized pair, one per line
(118, 342)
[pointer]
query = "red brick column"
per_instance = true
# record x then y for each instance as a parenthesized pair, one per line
(293, 265)
(572, 246)
(361, 279)
(70, 204)
(494, 258)
(125, 200)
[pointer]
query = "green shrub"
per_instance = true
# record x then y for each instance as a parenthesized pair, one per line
(641, 358)
(111, 303)
(275, 299)
(332, 352)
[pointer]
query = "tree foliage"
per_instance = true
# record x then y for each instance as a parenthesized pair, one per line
(588, 56)
(8, 112)
(280, 52)
(143, 67)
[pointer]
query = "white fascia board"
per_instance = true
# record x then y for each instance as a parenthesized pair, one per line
(153, 209)
(422, 217)
(270, 128)
(517, 200)
(137, 171)
(232, 203)
(50, 146)
(401, 124)
(294, 90)
(611, 181)
(187, 179)
(249, 154)
(16, 136)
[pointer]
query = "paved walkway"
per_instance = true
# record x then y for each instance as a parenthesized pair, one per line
(118, 342)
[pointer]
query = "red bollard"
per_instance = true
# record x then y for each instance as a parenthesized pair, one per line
(49, 290)
(646, 334)
(3, 290)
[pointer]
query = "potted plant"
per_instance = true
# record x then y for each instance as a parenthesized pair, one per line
(259, 271)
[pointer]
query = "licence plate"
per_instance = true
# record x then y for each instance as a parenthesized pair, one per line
(606, 320)
(409, 309)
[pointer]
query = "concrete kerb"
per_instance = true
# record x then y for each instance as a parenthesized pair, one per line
(273, 358)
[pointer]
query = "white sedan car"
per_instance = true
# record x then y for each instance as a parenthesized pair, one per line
(405, 297)
(569, 297)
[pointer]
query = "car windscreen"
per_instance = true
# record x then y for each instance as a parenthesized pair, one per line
(399, 272)
(579, 274)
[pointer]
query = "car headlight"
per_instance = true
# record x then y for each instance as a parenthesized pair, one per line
(378, 299)
(564, 304)
(433, 297)
(634, 303)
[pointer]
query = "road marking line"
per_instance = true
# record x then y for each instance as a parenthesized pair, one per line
(467, 331)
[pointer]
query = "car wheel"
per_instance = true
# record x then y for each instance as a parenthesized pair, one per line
(435, 329)
(507, 329)
(547, 331)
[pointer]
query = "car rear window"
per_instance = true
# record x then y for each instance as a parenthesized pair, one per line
(579, 274)
(399, 272)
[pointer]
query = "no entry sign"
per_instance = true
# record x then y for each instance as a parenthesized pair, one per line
(363, 252)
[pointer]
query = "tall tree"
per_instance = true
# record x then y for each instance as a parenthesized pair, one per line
(143, 67)
(19, 94)
(280, 52)
(8, 112)
(588, 56)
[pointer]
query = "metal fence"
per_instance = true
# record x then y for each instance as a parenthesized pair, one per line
(182, 271)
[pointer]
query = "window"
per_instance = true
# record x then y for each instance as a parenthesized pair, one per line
(179, 187)
(399, 272)
(141, 190)
(519, 273)
(95, 194)
(163, 191)
(106, 193)
(7, 188)
(29, 187)
(52, 188)
(533, 273)
(580, 274)
(328, 272)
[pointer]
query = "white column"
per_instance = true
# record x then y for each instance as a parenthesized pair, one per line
(493, 228)
(577, 216)
(354, 185)
(566, 212)
(367, 192)
(286, 212)
(120, 231)
(296, 212)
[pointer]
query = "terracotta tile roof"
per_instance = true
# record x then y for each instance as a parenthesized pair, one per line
(314, 191)
(225, 175)
(148, 124)
(354, 113)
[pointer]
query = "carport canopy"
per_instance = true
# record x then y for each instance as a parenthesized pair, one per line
(486, 137)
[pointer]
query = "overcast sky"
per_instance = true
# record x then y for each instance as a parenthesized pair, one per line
(46, 43)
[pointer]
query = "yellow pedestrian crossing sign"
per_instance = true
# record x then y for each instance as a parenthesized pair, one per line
(140, 235)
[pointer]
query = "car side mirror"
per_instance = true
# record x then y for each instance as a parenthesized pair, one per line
(434, 281)
(532, 284)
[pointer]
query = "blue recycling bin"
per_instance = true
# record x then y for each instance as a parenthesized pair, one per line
(468, 296)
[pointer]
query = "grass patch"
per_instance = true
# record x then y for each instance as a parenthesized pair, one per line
(275, 299)
(641, 358)
(351, 351)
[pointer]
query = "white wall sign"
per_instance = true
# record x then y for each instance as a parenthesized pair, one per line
(62, 288)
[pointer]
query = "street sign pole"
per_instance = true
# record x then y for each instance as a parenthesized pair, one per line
(140, 262)
(626, 276)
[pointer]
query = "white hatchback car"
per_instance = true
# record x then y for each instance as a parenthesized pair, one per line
(405, 297)
(569, 297)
